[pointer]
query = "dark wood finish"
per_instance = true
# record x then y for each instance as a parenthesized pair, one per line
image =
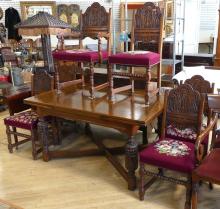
(183, 108)
(125, 115)
(144, 30)
(14, 99)
(197, 59)
(217, 56)
(95, 23)
(9, 56)
(214, 105)
(41, 82)
(204, 87)
(211, 162)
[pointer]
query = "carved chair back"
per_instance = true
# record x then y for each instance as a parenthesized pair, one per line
(204, 87)
(183, 109)
(96, 23)
(147, 27)
(41, 81)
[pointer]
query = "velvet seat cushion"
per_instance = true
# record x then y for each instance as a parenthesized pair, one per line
(81, 55)
(184, 135)
(26, 120)
(209, 168)
(135, 58)
(170, 154)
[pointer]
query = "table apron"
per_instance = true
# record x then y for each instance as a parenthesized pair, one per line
(120, 125)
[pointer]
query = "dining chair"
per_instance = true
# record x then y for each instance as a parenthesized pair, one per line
(23, 118)
(96, 24)
(204, 87)
(183, 111)
(208, 170)
(147, 28)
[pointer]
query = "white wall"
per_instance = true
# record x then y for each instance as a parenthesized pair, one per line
(4, 4)
(192, 23)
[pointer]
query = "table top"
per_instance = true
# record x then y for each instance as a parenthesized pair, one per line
(17, 90)
(127, 109)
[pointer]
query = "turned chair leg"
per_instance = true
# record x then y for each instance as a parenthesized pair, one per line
(10, 147)
(80, 66)
(91, 76)
(15, 138)
(188, 194)
(132, 80)
(141, 183)
(33, 141)
(210, 186)
(194, 195)
(55, 131)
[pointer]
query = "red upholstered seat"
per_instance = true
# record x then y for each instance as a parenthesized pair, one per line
(135, 58)
(209, 167)
(171, 154)
(81, 55)
(26, 120)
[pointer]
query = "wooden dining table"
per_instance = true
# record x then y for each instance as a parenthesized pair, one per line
(126, 114)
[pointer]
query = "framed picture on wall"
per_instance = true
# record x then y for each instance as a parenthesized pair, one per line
(30, 8)
(70, 14)
(169, 10)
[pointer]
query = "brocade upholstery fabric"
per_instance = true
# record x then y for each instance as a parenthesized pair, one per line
(82, 55)
(135, 58)
(210, 166)
(26, 120)
(184, 135)
(164, 153)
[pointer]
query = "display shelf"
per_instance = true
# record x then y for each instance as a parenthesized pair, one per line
(174, 31)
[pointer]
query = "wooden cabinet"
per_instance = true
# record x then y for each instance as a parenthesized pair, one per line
(217, 57)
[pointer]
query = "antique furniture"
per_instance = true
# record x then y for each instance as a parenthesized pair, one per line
(198, 59)
(9, 56)
(41, 81)
(4, 86)
(31, 8)
(214, 105)
(45, 25)
(202, 86)
(96, 23)
(217, 56)
(211, 74)
(208, 170)
(182, 120)
(125, 116)
(147, 27)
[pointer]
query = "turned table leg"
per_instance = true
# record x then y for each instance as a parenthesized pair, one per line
(131, 161)
(43, 135)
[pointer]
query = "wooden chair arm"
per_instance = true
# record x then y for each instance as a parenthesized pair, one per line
(203, 135)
